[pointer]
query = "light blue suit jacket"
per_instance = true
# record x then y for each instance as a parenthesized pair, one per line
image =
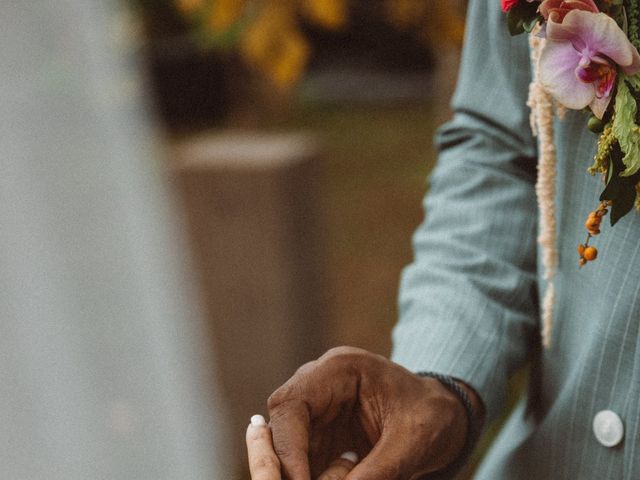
(469, 302)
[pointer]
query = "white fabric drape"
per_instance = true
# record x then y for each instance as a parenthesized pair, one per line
(103, 361)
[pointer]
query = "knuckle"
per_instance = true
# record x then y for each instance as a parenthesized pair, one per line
(281, 404)
(274, 400)
(354, 358)
(293, 388)
(343, 350)
(305, 370)
(278, 400)
(338, 358)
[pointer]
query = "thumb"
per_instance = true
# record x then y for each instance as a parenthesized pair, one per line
(393, 457)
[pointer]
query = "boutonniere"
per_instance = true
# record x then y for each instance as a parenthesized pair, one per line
(585, 57)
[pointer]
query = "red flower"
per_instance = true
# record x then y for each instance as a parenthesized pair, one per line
(556, 10)
(508, 4)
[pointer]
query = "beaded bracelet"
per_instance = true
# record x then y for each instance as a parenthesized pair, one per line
(472, 430)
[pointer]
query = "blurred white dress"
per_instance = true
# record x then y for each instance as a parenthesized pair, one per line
(103, 361)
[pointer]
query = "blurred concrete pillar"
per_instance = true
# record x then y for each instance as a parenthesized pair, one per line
(253, 216)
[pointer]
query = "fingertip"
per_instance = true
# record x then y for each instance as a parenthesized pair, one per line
(340, 467)
(350, 456)
(258, 421)
(257, 428)
(263, 461)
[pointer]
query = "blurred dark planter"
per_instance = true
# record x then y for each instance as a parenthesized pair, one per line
(191, 86)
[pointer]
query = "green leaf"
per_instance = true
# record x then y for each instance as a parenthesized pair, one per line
(633, 81)
(528, 25)
(624, 125)
(515, 24)
(522, 17)
(620, 190)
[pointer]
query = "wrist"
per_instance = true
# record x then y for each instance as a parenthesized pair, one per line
(471, 404)
(476, 404)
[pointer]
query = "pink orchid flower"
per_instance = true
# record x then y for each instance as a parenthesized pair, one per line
(579, 63)
(556, 10)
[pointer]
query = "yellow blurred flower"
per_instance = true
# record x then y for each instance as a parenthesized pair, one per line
(274, 45)
(269, 37)
(224, 13)
(289, 65)
(330, 14)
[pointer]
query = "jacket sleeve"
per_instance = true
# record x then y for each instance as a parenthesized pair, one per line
(468, 302)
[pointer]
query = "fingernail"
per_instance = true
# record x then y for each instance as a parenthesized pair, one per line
(258, 421)
(351, 456)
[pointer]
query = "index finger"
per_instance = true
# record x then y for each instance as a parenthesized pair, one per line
(290, 426)
(263, 462)
(316, 391)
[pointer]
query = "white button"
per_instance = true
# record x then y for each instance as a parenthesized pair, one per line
(608, 428)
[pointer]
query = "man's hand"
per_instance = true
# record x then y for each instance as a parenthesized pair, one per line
(401, 425)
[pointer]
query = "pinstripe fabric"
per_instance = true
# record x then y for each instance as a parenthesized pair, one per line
(469, 301)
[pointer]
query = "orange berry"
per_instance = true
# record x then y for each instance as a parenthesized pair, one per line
(590, 253)
(581, 250)
(592, 223)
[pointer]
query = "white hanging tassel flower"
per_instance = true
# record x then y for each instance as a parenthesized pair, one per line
(542, 108)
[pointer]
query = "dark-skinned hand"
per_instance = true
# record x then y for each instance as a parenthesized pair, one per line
(401, 425)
